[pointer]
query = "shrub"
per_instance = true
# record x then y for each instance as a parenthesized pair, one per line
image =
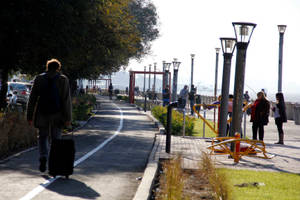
(172, 182)
(83, 106)
(123, 98)
(217, 179)
(15, 133)
(160, 113)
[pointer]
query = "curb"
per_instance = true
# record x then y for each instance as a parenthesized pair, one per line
(144, 190)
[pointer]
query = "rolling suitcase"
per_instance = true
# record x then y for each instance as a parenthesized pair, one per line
(61, 157)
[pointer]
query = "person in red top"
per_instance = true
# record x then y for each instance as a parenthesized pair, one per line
(260, 115)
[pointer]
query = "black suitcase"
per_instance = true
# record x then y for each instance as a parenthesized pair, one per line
(61, 157)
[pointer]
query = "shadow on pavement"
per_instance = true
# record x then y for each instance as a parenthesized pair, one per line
(74, 188)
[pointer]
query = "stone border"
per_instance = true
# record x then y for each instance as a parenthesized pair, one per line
(144, 190)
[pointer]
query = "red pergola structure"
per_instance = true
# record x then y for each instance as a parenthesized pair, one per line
(132, 82)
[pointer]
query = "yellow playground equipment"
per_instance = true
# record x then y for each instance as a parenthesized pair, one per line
(242, 146)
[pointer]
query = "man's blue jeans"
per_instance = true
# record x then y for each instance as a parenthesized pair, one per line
(44, 139)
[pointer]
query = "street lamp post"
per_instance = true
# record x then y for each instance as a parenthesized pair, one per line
(166, 69)
(243, 33)
(154, 84)
(192, 69)
(149, 81)
(228, 46)
(144, 90)
(216, 83)
(281, 29)
(175, 76)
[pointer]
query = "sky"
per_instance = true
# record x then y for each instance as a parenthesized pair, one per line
(195, 26)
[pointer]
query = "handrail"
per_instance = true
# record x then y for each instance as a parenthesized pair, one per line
(245, 108)
(201, 117)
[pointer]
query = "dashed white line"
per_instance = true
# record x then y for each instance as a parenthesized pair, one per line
(44, 185)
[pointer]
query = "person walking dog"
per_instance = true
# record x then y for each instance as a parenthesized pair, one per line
(49, 107)
(260, 115)
(280, 116)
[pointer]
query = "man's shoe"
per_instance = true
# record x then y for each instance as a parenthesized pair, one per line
(43, 162)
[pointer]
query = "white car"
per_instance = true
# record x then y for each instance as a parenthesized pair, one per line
(23, 91)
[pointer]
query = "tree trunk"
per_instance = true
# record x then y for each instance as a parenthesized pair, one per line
(73, 86)
(3, 87)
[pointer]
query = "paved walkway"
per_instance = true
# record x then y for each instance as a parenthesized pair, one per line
(109, 173)
(287, 157)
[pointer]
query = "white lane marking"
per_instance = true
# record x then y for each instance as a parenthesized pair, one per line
(42, 186)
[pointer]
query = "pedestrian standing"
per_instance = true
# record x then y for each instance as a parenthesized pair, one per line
(246, 96)
(260, 115)
(49, 106)
(280, 116)
(183, 95)
(198, 101)
(192, 98)
(110, 91)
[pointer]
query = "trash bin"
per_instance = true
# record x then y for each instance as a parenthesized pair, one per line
(297, 114)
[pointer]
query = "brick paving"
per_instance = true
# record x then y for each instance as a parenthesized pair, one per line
(286, 157)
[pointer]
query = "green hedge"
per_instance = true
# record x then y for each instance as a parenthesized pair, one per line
(83, 106)
(123, 98)
(160, 113)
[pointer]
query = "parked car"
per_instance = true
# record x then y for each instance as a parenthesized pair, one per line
(23, 91)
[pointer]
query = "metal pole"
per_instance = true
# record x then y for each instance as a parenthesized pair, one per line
(154, 84)
(174, 93)
(245, 123)
(237, 114)
(169, 126)
(144, 90)
(149, 85)
(216, 85)
(225, 94)
(280, 62)
(204, 115)
(192, 69)
(183, 127)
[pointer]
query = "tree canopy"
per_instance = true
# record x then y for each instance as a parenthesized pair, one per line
(89, 37)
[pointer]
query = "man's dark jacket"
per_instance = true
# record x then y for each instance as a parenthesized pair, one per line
(33, 109)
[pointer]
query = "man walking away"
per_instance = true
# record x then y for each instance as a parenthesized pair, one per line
(192, 98)
(49, 106)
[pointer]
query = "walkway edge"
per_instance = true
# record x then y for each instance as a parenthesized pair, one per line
(144, 190)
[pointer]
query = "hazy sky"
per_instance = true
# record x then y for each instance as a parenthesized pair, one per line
(195, 26)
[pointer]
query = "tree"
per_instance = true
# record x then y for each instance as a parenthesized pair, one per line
(90, 37)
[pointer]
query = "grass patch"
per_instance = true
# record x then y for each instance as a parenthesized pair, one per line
(198, 129)
(277, 185)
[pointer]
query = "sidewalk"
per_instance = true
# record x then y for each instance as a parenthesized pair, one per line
(111, 151)
(287, 157)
